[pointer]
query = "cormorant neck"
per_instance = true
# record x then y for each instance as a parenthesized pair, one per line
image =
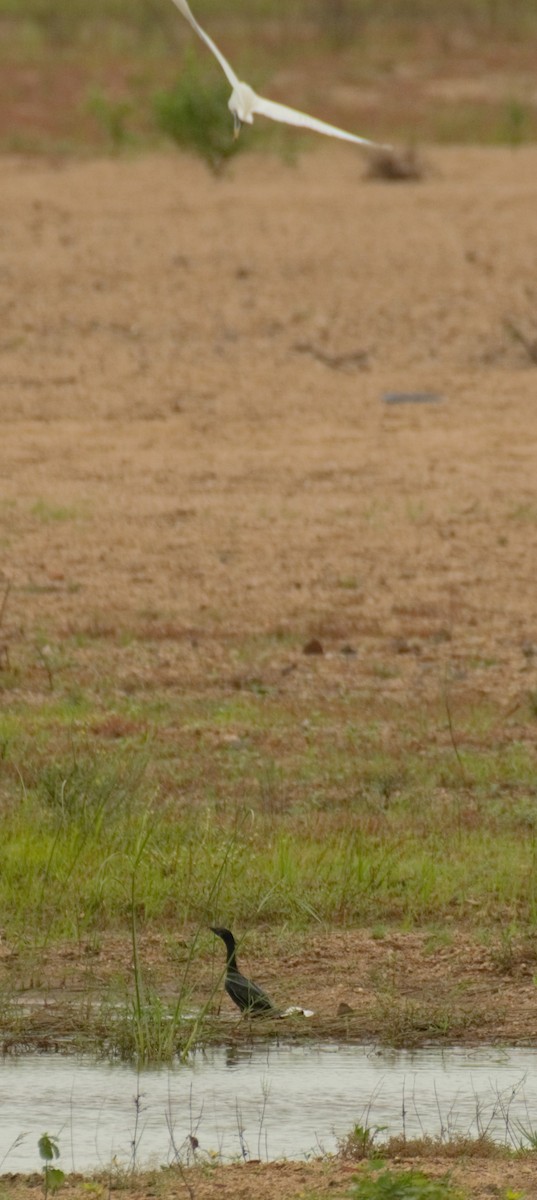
(229, 940)
(231, 952)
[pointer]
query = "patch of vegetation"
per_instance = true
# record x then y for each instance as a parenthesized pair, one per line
(447, 1145)
(403, 1185)
(113, 116)
(49, 1152)
(361, 1142)
(195, 115)
(49, 513)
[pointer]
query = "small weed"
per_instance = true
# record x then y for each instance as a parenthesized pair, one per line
(438, 939)
(52, 659)
(195, 115)
(503, 954)
(49, 1152)
(527, 1134)
(144, 1030)
(112, 116)
(360, 1142)
(378, 933)
(383, 671)
(517, 123)
(49, 513)
(153, 1026)
(403, 1185)
(525, 513)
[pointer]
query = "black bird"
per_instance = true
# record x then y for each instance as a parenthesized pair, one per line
(250, 998)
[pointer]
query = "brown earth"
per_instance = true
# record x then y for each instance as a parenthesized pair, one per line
(197, 449)
(482, 1176)
(194, 375)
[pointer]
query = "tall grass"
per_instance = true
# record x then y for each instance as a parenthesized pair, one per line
(148, 1029)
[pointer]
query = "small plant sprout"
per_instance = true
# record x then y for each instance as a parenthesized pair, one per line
(49, 1151)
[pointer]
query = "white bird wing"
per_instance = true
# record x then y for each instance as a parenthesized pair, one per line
(185, 10)
(291, 116)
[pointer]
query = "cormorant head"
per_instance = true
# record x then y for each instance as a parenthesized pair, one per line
(225, 934)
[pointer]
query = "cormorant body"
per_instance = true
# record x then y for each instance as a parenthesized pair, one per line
(250, 998)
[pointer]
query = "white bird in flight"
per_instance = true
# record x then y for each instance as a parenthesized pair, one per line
(244, 103)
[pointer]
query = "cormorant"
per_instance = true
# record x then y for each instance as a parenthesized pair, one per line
(250, 998)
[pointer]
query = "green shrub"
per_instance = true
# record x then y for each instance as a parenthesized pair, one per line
(196, 116)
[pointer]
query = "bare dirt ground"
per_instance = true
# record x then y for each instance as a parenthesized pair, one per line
(481, 1176)
(197, 448)
(196, 373)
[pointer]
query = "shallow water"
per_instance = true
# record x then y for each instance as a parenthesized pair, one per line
(261, 1102)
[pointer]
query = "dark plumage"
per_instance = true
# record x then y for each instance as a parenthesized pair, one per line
(250, 998)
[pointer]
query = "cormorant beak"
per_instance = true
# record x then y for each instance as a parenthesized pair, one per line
(237, 125)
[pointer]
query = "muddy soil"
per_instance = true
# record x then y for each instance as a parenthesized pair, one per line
(402, 989)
